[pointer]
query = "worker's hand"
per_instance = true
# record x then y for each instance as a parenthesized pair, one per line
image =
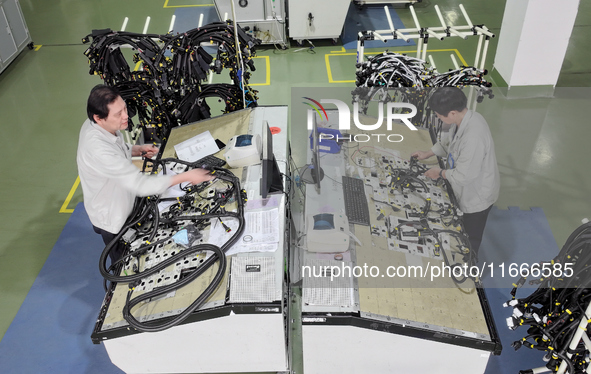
(196, 176)
(145, 150)
(148, 150)
(432, 173)
(421, 155)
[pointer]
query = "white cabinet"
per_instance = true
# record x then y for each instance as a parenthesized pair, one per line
(313, 19)
(263, 19)
(14, 35)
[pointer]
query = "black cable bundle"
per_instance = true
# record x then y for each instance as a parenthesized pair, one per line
(463, 77)
(391, 76)
(194, 108)
(391, 70)
(151, 229)
(152, 114)
(555, 309)
(407, 179)
(174, 68)
(193, 58)
(105, 56)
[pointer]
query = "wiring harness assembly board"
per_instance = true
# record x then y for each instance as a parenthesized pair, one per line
(167, 246)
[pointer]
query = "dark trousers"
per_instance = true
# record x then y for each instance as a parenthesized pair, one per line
(117, 250)
(474, 224)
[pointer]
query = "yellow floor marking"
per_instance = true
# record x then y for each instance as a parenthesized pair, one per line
(268, 75)
(38, 47)
(183, 6)
(461, 58)
(64, 208)
(341, 51)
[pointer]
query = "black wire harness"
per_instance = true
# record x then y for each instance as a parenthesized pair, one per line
(390, 76)
(148, 231)
(392, 70)
(405, 179)
(553, 312)
(169, 89)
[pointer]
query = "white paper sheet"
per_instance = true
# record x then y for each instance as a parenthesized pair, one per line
(261, 233)
(197, 147)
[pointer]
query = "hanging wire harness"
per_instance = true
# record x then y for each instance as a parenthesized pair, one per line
(390, 76)
(170, 88)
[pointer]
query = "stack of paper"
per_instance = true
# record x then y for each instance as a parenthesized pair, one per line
(261, 233)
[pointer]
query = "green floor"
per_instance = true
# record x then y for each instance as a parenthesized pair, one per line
(542, 143)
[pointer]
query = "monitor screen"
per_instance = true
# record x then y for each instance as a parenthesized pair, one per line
(313, 173)
(316, 170)
(271, 181)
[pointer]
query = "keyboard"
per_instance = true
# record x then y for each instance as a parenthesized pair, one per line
(210, 161)
(356, 207)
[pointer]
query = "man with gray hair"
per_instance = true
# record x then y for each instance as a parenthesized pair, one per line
(110, 182)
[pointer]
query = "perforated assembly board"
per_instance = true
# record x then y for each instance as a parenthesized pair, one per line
(323, 289)
(169, 305)
(436, 306)
(161, 249)
(436, 303)
(253, 280)
(444, 308)
(268, 285)
(244, 334)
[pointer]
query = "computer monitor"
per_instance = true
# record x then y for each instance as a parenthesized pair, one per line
(271, 181)
(313, 173)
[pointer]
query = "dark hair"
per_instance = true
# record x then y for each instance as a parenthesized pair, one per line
(99, 99)
(446, 99)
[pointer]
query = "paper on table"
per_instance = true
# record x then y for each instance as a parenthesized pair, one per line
(263, 247)
(269, 203)
(261, 233)
(261, 227)
(197, 147)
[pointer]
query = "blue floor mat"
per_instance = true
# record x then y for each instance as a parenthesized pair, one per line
(371, 18)
(513, 236)
(51, 331)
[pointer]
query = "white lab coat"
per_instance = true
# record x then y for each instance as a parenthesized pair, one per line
(110, 182)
